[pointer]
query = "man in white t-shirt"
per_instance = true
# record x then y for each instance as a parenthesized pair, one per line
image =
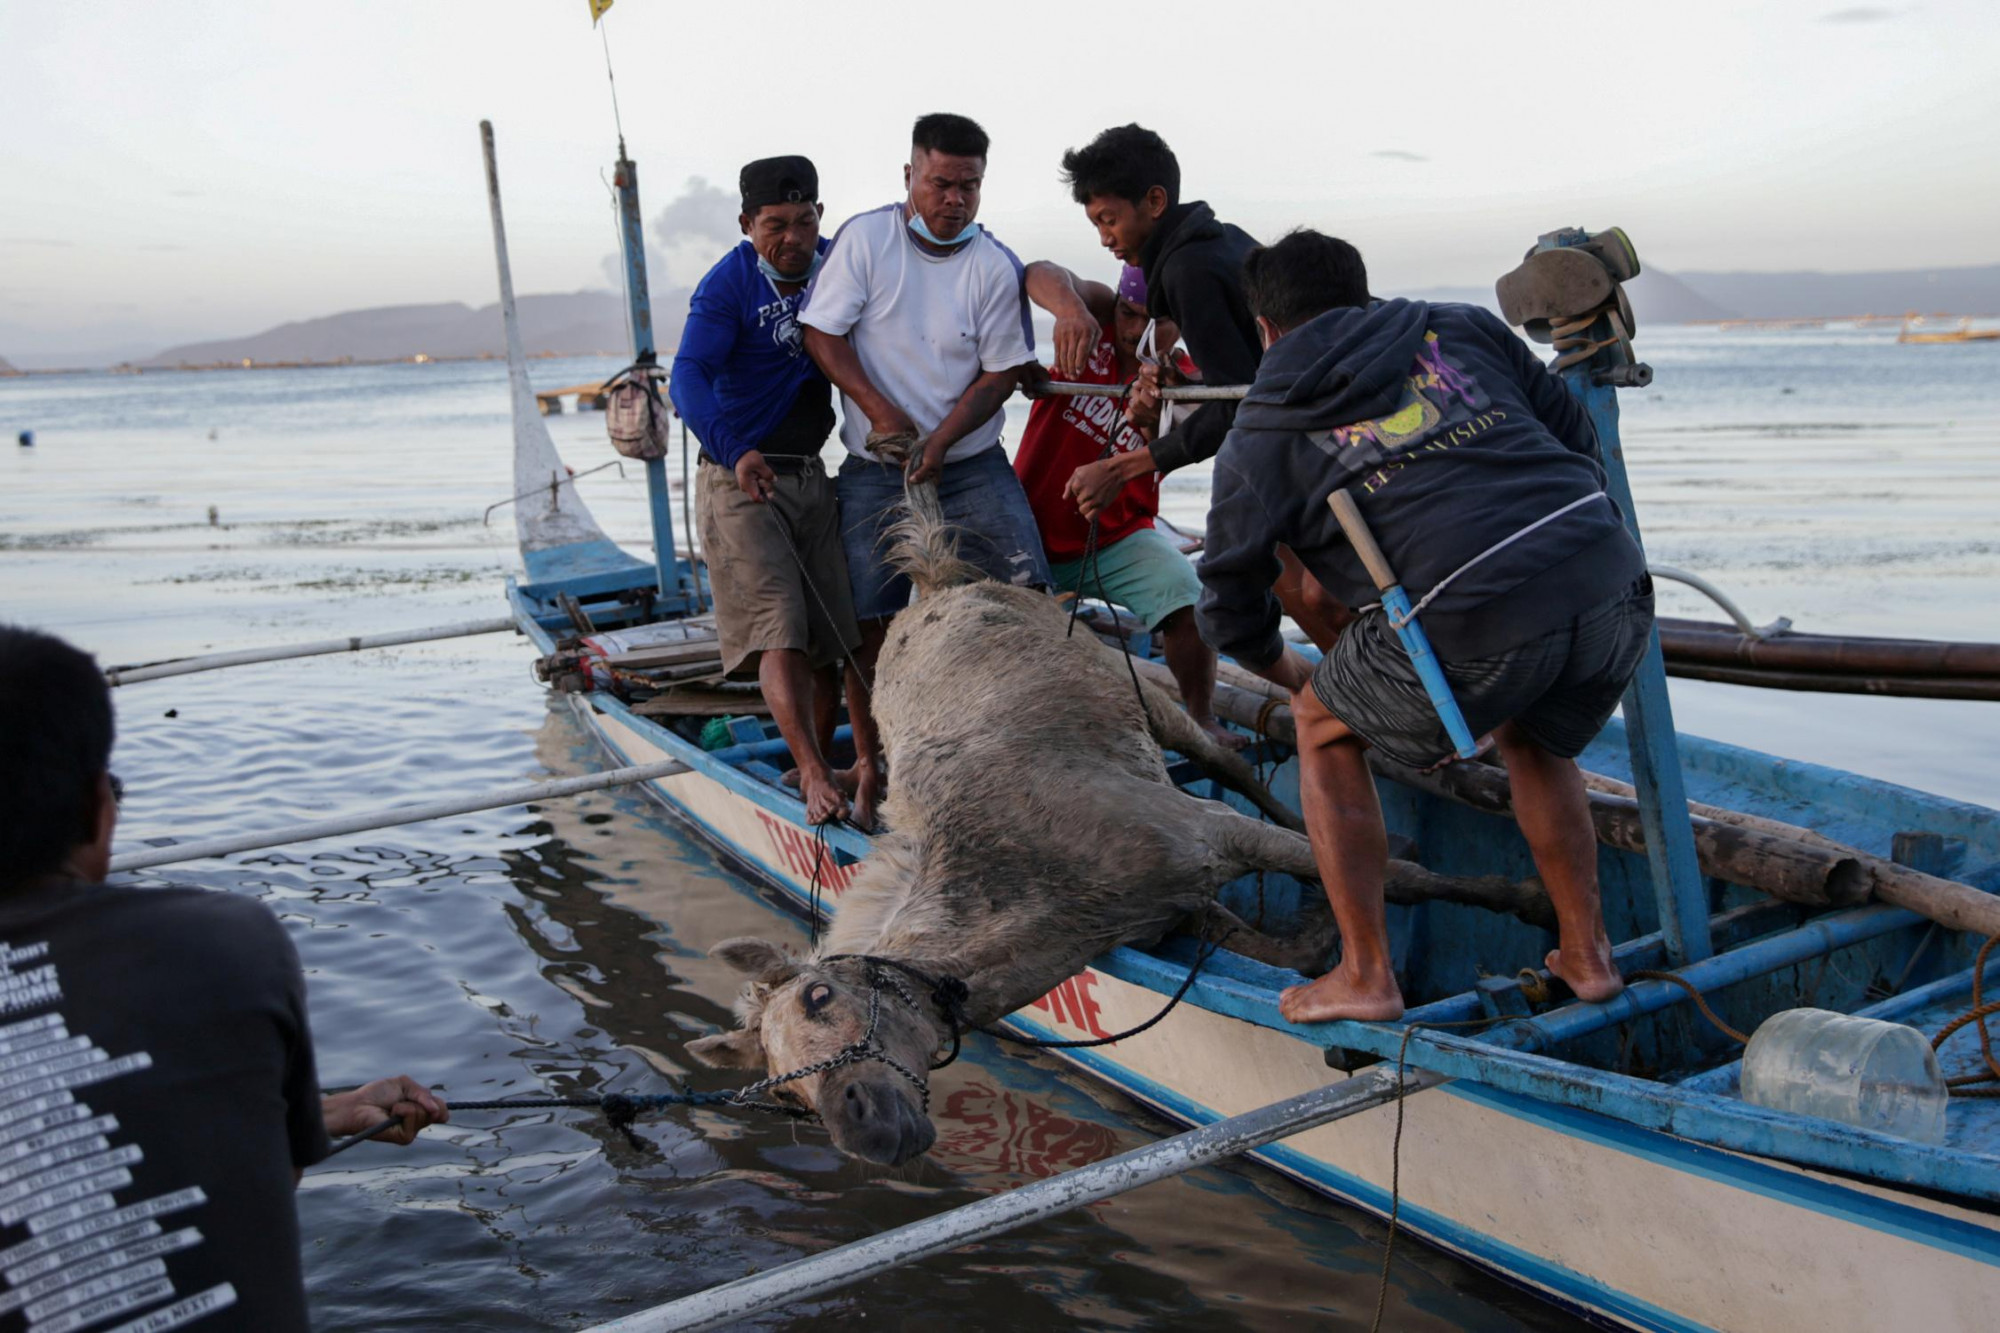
(918, 316)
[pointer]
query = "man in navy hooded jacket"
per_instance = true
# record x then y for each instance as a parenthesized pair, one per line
(1477, 472)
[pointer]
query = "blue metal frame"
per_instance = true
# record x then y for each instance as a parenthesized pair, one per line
(660, 504)
(1656, 768)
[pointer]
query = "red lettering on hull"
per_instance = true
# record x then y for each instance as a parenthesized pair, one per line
(797, 852)
(1072, 1002)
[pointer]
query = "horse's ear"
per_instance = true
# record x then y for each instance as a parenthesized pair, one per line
(729, 1050)
(760, 960)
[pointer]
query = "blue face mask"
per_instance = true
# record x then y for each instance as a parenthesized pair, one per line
(770, 270)
(922, 229)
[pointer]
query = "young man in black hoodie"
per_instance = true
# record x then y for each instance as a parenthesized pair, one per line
(1129, 184)
(1477, 472)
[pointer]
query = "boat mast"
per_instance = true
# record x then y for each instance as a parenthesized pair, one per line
(1678, 886)
(632, 232)
(563, 520)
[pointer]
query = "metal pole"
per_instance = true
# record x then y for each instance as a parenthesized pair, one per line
(659, 497)
(395, 815)
(186, 666)
(815, 1276)
(1185, 393)
(1678, 887)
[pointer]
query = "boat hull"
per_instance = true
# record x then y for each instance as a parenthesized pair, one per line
(1628, 1226)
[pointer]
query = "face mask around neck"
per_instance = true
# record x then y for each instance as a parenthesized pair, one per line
(923, 231)
(770, 270)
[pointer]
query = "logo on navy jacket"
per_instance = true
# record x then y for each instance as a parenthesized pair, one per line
(1442, 406)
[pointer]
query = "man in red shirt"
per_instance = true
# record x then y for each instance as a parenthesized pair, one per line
(1098, 336)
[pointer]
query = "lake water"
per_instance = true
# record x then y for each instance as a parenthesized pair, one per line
(1833, 477)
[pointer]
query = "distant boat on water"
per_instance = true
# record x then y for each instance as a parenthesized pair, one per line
(1964, 333)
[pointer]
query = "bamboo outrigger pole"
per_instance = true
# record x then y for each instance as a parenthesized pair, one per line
(395, 815)
(185, 666)
(815, 1276)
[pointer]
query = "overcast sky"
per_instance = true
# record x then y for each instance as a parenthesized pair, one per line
(194, 169)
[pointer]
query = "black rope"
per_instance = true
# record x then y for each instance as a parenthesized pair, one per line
(819, 858)
(1089, 572)
(1187, 983)
(620, 1108)
(832, 623)
(1084, 568)
(946, 992)
(1396, 1151)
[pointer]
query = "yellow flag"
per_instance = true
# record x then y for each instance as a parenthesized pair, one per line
(597, 8)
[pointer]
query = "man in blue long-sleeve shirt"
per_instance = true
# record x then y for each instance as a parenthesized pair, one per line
(770, 526)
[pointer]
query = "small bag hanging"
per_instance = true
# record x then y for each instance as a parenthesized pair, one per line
(635, 410)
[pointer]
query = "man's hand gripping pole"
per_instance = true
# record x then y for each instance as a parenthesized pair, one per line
(1396, 603)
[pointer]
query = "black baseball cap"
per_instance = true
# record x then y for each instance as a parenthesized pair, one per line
(778, 180)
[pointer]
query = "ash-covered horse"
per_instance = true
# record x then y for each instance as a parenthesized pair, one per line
(1031, 827)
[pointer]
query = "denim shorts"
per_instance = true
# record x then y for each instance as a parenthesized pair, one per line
(1560, 688)
(982, 499)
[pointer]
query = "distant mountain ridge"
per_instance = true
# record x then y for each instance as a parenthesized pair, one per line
(1688, 298)
(594, 321)
(567, 322)
(1969, 290)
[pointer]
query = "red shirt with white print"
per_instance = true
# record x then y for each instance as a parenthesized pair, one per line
(1067, 432)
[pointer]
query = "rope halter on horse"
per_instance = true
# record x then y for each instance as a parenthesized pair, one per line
(886, 976)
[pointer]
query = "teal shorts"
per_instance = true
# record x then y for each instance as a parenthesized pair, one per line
(1143, 572)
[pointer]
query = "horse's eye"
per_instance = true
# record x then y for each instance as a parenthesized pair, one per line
(817, 997)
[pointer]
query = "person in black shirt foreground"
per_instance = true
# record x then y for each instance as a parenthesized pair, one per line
(158, 1096)
(1478, 474)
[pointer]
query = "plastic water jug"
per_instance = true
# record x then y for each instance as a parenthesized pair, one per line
(1859, 1071)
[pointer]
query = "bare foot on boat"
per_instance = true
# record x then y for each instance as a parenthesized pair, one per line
(824, 802)
(1590, 974)
(867, 793)
(1221, 735)
(1337, 995)
(842, 778)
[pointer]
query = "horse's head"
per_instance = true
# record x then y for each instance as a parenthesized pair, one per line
(858, 1032)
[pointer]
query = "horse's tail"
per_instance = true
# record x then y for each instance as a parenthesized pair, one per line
(924, 546)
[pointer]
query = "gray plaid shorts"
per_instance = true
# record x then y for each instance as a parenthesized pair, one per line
(1560, 688)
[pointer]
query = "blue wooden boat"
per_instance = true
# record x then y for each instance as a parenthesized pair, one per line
(1598, 1155)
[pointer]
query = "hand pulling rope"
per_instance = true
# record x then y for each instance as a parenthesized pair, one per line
(948, 994)
(620, 1109)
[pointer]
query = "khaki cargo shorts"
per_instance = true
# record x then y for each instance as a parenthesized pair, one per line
(762, 599)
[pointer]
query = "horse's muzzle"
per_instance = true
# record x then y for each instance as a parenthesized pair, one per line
(872, 1119)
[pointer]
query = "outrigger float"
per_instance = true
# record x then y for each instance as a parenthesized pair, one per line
(1598, 1155)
